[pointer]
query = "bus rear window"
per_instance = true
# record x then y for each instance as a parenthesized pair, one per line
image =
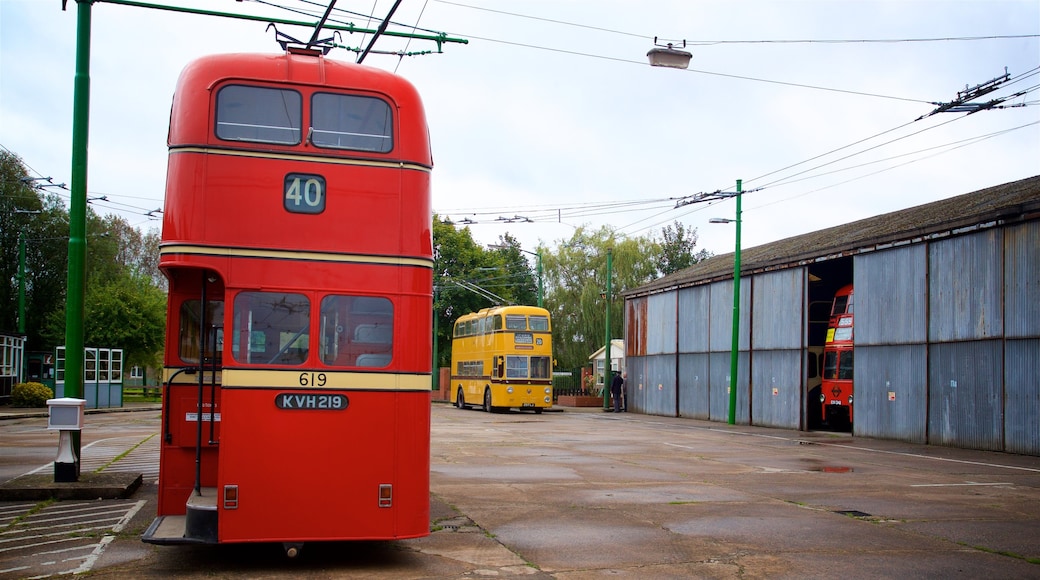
(259, 115)
(351, 122)
(357, 331)
(271, 328)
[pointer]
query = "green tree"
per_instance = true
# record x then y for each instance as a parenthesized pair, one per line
(124, 302)
(468, 277)
(40, 220)
(126, 312)
(677, 249)
(516, 271)
(575, 276)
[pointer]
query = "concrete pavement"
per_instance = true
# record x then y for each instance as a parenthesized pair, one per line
(581, 494)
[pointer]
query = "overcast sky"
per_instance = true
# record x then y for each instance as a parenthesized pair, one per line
(552, 113)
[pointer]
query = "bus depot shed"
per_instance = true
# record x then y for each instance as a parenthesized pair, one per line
(947, 326)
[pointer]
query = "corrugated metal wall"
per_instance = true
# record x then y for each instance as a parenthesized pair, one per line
(661, 359)
(694, 313)
(777, 317)
(891, 372)
(720, 330)
(634, 391)
(890, 288)
(694, 386)
(966, 372)
(777, 335)
(1022, 396)
(1022, 281)
(776, 384)
(965, 406)
(718, 378)
(965, 298)
(660, 385)
(1022, 338)
(635, 327)
(661, 312)
(891, 387)
(694, 392)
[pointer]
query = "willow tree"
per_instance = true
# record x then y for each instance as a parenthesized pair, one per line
(575, 275)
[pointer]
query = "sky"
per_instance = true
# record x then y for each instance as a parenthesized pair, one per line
(551, 112)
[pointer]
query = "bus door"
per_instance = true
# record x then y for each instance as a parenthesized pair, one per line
(191, 402)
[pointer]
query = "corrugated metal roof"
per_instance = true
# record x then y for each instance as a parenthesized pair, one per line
(1010, 202)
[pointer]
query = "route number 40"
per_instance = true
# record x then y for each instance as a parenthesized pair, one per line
(304, 193)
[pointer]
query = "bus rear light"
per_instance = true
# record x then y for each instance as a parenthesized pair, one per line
(386, 495)
(230, 497)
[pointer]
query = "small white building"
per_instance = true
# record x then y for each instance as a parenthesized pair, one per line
(617, 360)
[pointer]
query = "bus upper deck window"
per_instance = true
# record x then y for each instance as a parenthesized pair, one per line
(351, 122)
(539, 323)
(259, 115)
(516, 322)
(839, 305)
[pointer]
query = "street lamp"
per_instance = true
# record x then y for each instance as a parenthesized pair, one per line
(736, 310)
(537, 255)
(669, 56)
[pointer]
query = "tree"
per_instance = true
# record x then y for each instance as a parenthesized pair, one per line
(125, 300)
(127, 312)
(40, 220)
(517, 273)
(466, 278)
(575, 277)
(677, 249)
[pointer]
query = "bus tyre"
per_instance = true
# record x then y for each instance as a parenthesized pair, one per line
(487, 400)
(460, 400)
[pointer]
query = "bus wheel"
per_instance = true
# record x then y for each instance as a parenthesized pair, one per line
(537, 410)
(460, 400)
(487, 400)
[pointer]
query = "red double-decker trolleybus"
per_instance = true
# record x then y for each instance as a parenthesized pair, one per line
(836, 386)
(297, 243)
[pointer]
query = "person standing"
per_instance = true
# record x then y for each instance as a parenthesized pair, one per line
(616, 386)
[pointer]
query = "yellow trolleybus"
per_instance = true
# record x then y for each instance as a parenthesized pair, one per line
(501, 358)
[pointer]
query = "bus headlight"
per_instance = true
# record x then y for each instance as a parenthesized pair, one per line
(823, 398)
(548, 390)
(850, 399)
(510, 390)
(548, 399)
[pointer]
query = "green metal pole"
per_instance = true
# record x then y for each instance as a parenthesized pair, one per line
(606, 348)
(74, 294)
(21, 303)
(436, 369)
(21, 283)
(540, 287)
(736, 321)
